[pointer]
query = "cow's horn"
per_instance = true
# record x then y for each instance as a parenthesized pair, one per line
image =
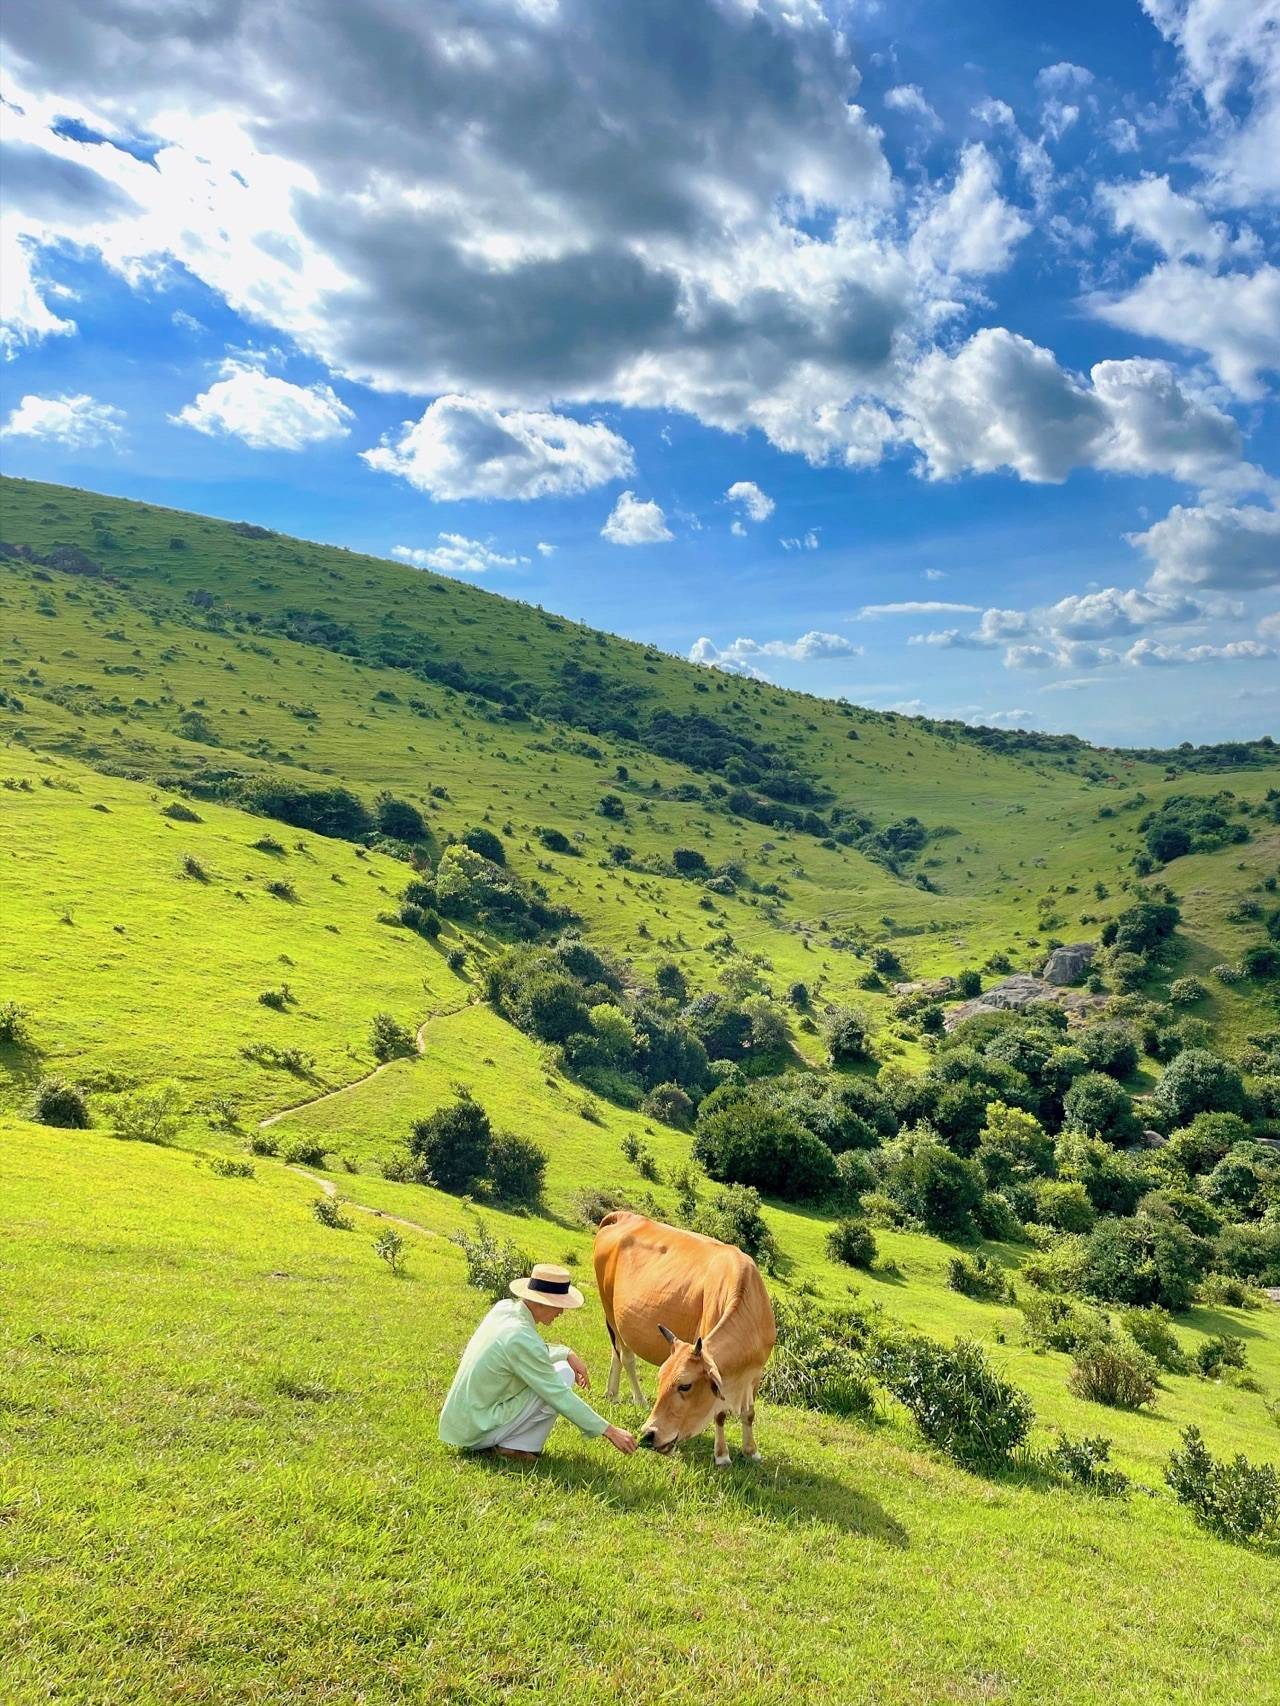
(667, 1334)
(697, 1348)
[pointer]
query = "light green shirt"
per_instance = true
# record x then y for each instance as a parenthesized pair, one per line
(505, 1362)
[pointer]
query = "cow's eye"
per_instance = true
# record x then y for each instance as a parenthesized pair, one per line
(688, 1388)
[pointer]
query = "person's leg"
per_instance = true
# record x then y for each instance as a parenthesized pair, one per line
(529, 1430)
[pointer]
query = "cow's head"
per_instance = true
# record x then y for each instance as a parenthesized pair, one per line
(689, 1395)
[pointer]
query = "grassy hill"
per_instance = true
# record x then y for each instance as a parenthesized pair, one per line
(222, 1481)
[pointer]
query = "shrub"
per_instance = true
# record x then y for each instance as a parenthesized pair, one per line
(845, 1031)
(455, 959)
(1198, 1082)
(689, 862)
(1055, 1323)
(303, 1152)
(1084, 1462)
(592, 1203)
(484, 842)
(517, 1168)
(940, 1189)
(734, 1217)
(1238, 1500)
(390, 1247)
(14, 1030)
(1223, 1350)
(268, 844)
(328, 1211)
(1249, 1252)
(1114, 1373)
(277, 999)
(978, 1277)
(492, 1262)
(1152, 1332)
(816, 1363)
(1184, 991)
(389, 1039)
(260, 1143)
(670, 1104)
(57, 1101)
(555, 840)
(1064, 1204)
(191, 867)
(968, 984)
(151, 1115)
(282, 890)
(1096, 1104)
(851, 1242)
(960, 1404)
(398, 819)
(1225, 1291)
(1199, 1146)
(227, 1168)
(1109, 1048)
(1142, 1261)
(742, 1141)
(670, 982)
(453, 1145)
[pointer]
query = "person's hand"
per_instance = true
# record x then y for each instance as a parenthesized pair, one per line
(620, 1440)
(580, 1376)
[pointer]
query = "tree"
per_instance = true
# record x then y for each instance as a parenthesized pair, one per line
(670, 982)
(550, 1007)
(453, 1145)
(1199, 1146)
(670, 1104)
(845, 1031)
(1199, 1082)
(769, 1033)
(615, 1033)
(1097, 1104)
(1064, 1204)
(388, 1038)
(484, 842)
(517, 1167)
(1110, 1048)
(1012, 1146)
(938, 1187)
(1144, 1260)
(398, 819)
(742, 1141)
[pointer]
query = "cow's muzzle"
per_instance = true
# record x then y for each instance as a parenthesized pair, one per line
(649, 1440)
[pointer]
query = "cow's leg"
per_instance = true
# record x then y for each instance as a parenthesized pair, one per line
(722, 1445)
(749, 1448)
(629, 1363)
(615, 1367)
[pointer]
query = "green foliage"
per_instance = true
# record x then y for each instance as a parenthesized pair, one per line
(57, 1101)
(390, 1247)
(1152, 1331)
(733, 1215)
(742, 1141)
(1114, 1373)
(152, 1114)
(1199, 1082)
(1083, 1462)
(1238, 1500)
(959, 1402)
(1143, 1261)
(817, 1362)
(1064, 1204)
(227, 1167)
(1199, 1146)
(670, 1104)
(492, 1262)
(328, 1211)
(303, 1152)
(1097, 1105)
(389, 1039)
(1192, 823)
(1056, 1323)
(846, 1032)
(1221, 1350)
(484, 842)
(398, 819)
(978, 1277)
(15, 1028)
(940, 1189)
(851, 1242)
(517, 1168)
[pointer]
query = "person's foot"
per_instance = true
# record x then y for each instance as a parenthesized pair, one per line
(515, 1456)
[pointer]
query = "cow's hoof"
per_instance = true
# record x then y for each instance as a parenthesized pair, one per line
(753, 1457)
(723, 1462)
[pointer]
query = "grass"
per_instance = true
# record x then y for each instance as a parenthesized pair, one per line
(229, 1490)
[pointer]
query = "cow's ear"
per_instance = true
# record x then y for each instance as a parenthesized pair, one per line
(715, 1385)
(667, 1334)
(697, 1346)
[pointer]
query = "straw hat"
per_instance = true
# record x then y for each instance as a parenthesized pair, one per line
(550, 1285)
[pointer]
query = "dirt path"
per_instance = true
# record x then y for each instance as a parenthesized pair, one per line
(419, 1043)
(330, 1189)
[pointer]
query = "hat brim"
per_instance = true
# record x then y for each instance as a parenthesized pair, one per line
(571, 1299)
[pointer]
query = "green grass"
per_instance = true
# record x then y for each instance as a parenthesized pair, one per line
(223, 1485)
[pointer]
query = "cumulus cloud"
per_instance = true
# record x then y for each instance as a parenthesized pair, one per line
(968, 228)
(455, 554)
(635, 522)
(908, 98)
(76, 422)
(744, 654)
(755, 504)
(462, 447)
(1233, 318)
(994, 629)
(545, 550)
(1103, 615)
(1215, 546)
(1150, 654)
(266, 412)
(1153, 210)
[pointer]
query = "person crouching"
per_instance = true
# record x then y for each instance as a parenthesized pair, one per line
(511, 1385)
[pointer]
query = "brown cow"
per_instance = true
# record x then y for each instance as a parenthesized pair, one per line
(696, 1307)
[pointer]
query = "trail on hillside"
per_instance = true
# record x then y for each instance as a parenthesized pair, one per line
(420, 1047)
(330, 1189)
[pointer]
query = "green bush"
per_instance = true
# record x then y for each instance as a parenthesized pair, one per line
(851, 1242)
(1238, 1500)
(303, 1152)
(1144, 1260)
(389, 1039)
(1152, 1331)
(1225, 1291)
(1198, 1082)
(933, 1185)
(1184, 991)
(517, 1168)
(1198, 1146)
(846, 1032)
(978, 1277)
(1057, 1323)
(734, 1216)
(1096, 1104)
(225, 1167)
(390, 1247)
(484, 842)
(14, 1029)
(1064, 1204)
(1114, 1373)
(669, 1104)
(742, 1141)
(151, 1115)
(816, 1363)
(1084, 1463)
(1223, 1350)
(59, 1102)
(328, 1211)
(453, 1145)
(492, 1262)
(960, 1404)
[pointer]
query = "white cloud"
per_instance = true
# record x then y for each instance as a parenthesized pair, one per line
(745, 653)
(1063, 77)
(267, 413)
(994, 629)
(908, 98)
(77, 422)
(635, 522)
(545, 550)
(1218, 546)
(462, 447)
(915, 607)
(1148, 654)
(1030, 657)
(1152, 209)
(935, 574)
(969, 228)
(1269, 627)
(1102, 615)
(1008, 719)
(805, 542)
(455, 554)
(757, 505)
(1234, 318)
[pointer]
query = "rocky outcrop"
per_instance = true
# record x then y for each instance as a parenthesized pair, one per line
(1069, 964)
(1020, 991)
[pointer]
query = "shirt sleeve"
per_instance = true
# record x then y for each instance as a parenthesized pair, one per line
(534, 1366)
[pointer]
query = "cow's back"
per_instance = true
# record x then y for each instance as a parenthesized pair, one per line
(652, 1275)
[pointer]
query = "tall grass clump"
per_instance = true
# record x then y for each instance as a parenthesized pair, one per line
(817, 1363)
(958, 1401)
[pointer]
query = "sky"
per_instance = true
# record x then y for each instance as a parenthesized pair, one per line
(924, 354)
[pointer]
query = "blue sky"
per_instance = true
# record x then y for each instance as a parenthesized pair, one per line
(922, 353)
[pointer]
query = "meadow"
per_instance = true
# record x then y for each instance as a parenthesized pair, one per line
(219, 1476)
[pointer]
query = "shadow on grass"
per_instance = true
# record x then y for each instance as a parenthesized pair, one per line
(778, 1490)
(1205, 1319)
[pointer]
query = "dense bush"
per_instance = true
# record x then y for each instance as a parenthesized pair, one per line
(492, 1262)
(328, 1211)
(1064, 1204)
(1249, 1253)
(1114, 1373)
(398, 819)
(517, 1168)
(334, 811)
(1239, 1500)
(851, 1242)
(670, 1104)
(1096, 1104)
(15, 1031)
(816, 1363)
(1056, 1323)
(1084, 1462)
(1199, 1146)
(978, 1277)
(845, 1031)
(1152, 1331)
(1109, 1048)
(734, 1216)
(452, 1145)
(742, 1141)
(59, 1102)
(1184, 991)
(389, 1039)
(960, 1404)
(940, 1189)
(484, 842)
(303, 1152)
(1221, 1350)
(1143, 1261)
(1199, 1082)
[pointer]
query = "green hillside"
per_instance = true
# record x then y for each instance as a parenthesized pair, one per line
(238, 766)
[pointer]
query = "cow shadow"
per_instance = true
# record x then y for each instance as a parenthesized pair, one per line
(779, 1490)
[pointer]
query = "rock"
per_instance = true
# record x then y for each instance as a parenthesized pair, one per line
(926, 986)
(1153, 1139)
(1069, 964)
(1020, 991)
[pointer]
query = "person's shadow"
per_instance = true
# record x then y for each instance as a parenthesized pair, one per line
(781, 1489)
